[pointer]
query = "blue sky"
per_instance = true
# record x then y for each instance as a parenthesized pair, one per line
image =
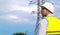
(16, 16)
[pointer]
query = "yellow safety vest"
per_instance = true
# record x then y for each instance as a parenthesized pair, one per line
(53, 27)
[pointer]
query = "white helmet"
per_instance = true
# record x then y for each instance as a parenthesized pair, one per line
(49, 6)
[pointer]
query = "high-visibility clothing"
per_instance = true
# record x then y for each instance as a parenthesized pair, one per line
(53, 25)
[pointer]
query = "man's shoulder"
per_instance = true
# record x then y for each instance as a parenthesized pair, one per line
(44, 21)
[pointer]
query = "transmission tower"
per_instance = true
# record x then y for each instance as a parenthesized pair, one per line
(39, 17)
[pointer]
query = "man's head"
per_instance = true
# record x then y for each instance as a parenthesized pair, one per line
(47, 8)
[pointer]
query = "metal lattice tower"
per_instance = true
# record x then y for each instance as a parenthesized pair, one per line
(39, 3)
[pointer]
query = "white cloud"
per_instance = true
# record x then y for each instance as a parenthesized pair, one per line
(9, 17)
(14, 18)
(26, 20)
(2, 0)
(14, 5)
(17, 5)
(23, 8)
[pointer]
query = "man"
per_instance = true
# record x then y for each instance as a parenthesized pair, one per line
(47, 10)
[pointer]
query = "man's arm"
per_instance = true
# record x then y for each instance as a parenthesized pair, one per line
(42, 27)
